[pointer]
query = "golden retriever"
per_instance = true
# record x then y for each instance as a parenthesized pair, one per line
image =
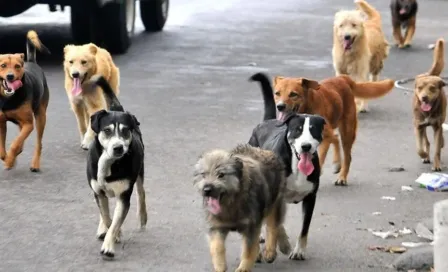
(359, 45)
(81, 62)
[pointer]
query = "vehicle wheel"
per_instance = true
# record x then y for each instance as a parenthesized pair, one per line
(80, 23)
(116, 26)
(154, 14)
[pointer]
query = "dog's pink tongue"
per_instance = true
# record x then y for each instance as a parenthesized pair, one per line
(402, 11)
(305, 164)
(16, 84)
(280, 116)
(213, 205)
(425, 106)
(347, 44)
(76, 87)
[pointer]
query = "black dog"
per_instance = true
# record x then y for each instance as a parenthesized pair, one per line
(115, 163)
(404, 13)
(295, 140)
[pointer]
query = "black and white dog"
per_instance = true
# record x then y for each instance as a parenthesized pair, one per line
(115, 163)
(295, 140)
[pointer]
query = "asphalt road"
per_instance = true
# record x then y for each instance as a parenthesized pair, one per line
(188, 87)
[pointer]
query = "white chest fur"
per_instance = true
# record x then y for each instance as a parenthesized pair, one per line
(297, 185)
(111, 189)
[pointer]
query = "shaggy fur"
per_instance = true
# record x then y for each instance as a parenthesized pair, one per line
(242, 189)
(333, 99)
(359, 45)
(404, 14)
(81, 63)
(429, 106)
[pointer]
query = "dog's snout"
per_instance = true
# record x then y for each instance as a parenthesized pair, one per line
(347, 37)
(207, 190)
(118, 150)
(10, 77)
(75, 74)
(425, 98)
(306, 147)
(281, 106)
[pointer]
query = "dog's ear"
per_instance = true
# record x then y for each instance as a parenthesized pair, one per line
(277, 79)
(22, 56)
(134, 122)
(95, 120)
(93, 49)
(238, 166)
(442, 84)
(310, 84)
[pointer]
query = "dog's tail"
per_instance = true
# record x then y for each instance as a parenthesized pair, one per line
(99, 80)
(438, 62)
(32, 43)
(371, 12)
(268, 95)
(370, 90)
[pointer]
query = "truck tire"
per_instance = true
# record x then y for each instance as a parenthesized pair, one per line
(154, 14)
(81, 17)
(116, 26)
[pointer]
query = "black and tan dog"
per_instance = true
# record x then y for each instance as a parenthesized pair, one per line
(429, 107)
(241, 189)
(404, 15)
(24, 96)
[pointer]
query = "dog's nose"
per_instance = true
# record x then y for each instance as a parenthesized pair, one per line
(347, 37)
(281, 106)
(118, 150)
(10, 77)
(425, 98)
(75, 74)
(207, 190)
(306, 147)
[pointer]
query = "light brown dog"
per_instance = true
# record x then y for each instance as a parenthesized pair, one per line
(429, 105)
(24, 98)
(359, 45)
(80, 64)
(333, 99)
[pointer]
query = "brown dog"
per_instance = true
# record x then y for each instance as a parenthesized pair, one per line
(429, 106)
(24, 97)
(404, 14)
(333, 99)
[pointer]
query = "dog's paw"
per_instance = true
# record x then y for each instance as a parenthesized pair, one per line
(34, 170)
(340, 182)
(436, 168)
(297, 255)
(401, 46)
(269, 256)
(243, 269)
(3, 155)
(426, 161)
(407, 45)
(107, 251)
(100, 236)
(86, 142)
(336, 167)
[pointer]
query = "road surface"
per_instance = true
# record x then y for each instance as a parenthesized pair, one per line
(188, 87)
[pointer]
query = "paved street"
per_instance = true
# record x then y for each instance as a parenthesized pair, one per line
(188, 87)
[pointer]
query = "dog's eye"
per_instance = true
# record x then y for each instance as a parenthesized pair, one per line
(17, 66)
(108, 131)
(277, 93)
(70, 61)
(353, 25)
(125, 132)
(83, 62)
(3, 65)
(293, 95)
(220, 175)
(432, 89)
(341, 25)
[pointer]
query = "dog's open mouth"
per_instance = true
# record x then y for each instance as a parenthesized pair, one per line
(11, 87)
(348, 43)
(77, 85)
(281, 115)
(305, 164)
(212, 204)
(425, 106)
(403, 11)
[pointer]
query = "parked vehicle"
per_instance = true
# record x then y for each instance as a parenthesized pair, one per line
(108, 23)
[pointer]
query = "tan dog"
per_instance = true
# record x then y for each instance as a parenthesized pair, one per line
(80, 64)
(429, 105)
(359, 45)
(333, 99)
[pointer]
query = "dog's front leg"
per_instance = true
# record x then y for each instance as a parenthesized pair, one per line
(120, 213)
(216, 240)
(307, 209)
(251, 249)
(397, 34)
(410, 30)
(438, 139)
(17, 144)
(3, 129)
(422, 143)
(103, 204)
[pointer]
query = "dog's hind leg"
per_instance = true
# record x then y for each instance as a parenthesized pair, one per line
(307, 209)
(3, 129)
(41, 120)
(141, 206)
(120, 213)
(217, 240)
(438, 139)
(336, 154)
(348, 136)
(324, 146)
(251, 249)
(105, 221)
